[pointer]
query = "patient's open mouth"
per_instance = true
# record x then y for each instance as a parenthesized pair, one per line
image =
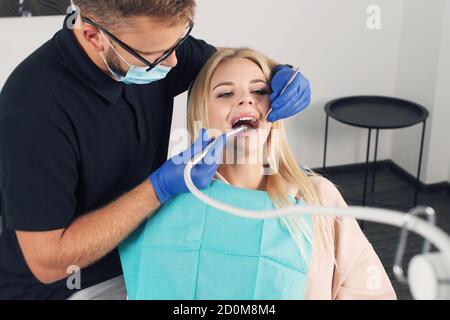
(249, 122)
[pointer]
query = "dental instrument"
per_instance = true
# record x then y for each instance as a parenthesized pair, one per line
(203, 154)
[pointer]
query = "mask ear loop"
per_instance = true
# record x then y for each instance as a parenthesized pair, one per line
(109, 68)
(112, 47)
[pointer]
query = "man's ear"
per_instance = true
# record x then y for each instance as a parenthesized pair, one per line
(92, 36)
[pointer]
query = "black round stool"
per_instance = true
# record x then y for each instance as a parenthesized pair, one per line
(376, 112)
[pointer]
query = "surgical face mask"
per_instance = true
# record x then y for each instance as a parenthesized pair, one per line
(136, 74)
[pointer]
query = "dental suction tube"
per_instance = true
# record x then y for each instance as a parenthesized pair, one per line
(202, 155)
(427, 230)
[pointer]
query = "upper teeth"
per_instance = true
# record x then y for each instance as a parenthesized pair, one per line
(244, 119)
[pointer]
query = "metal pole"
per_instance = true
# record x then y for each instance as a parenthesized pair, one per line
(325, 144)
(375, 161)
(366, 168)
(420, 163)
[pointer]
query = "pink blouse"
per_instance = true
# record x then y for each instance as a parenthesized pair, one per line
(358, 273)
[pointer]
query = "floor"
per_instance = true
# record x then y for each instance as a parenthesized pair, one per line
(393, 192)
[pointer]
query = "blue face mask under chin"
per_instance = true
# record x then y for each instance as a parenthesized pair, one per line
(136, 74)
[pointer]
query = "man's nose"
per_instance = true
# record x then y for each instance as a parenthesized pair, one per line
(171, 61)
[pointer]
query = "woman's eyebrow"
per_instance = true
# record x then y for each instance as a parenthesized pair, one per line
(258, 81)
(223, 84)
(227, 83)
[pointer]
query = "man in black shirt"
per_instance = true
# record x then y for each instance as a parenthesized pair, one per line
(84, 131)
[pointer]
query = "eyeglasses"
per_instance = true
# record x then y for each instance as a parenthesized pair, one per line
(133, 52)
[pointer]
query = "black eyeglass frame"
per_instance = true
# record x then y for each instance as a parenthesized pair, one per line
(133, 52)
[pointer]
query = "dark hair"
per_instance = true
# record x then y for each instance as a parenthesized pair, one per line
(109, 12)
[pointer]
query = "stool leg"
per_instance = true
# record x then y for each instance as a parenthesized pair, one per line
(375, 161)
(325, 144)
(420, 163)
(366, 171)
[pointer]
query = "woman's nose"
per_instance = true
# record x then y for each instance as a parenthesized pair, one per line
(246, 101)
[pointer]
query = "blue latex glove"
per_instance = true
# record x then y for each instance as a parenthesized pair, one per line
(168, 180)
(295, 99)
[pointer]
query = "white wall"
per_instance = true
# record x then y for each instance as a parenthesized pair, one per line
(330, 41)
(438, 159)
(424, 77)
(21, 36)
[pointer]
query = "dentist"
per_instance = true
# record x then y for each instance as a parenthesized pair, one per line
(84, 132)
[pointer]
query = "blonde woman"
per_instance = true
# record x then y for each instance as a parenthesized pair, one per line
(189, 250)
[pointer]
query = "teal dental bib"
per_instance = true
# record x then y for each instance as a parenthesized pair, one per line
(189, 250)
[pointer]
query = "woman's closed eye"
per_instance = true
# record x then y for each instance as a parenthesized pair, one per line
(225, 94)
(259, 92)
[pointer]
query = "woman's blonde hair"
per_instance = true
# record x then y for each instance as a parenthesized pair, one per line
(280, 156)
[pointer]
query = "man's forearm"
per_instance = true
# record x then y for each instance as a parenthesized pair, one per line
(92, 236)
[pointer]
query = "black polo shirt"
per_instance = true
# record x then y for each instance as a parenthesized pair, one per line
(72, 139)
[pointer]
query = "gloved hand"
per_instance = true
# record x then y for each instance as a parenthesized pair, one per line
(296, 98)
(168, 180)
